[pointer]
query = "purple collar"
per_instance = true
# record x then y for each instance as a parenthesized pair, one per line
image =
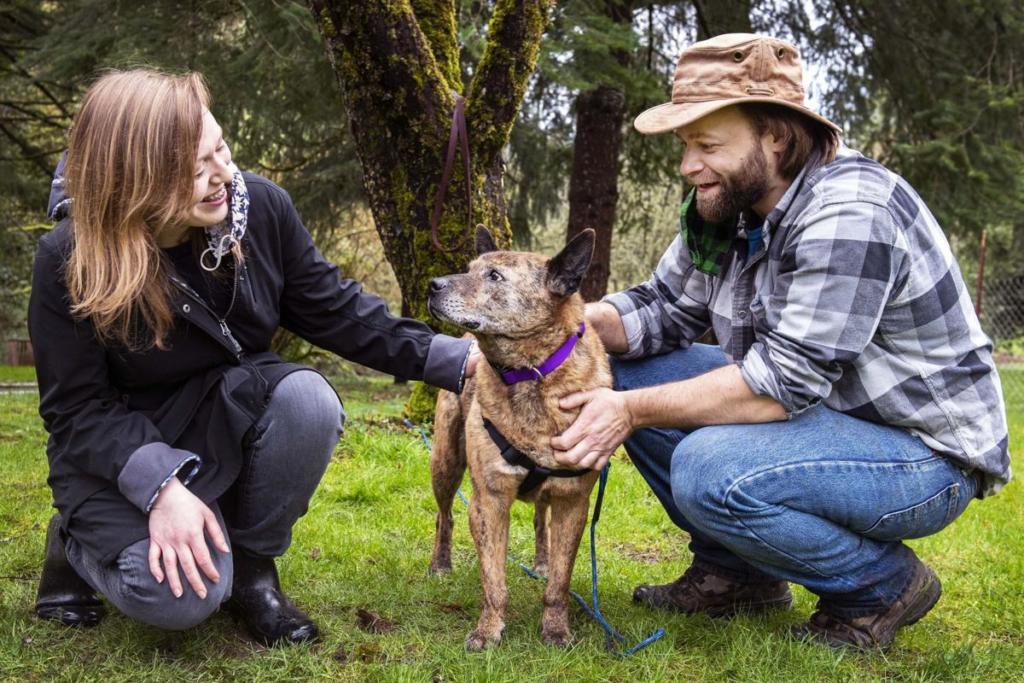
(537, 372)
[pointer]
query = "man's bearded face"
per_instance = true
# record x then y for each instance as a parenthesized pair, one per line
(722, 196)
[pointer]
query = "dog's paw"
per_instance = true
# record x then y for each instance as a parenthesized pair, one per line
(541, 569)
(478, 641)
(439, 568)
(558, 637)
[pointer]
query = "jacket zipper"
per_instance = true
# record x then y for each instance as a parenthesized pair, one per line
(225, 331)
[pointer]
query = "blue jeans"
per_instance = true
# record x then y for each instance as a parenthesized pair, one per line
(291, 446)
(823, 500)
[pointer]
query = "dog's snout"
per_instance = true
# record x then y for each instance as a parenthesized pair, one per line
(437, 284)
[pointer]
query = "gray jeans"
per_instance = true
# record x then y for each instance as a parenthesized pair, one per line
(291, 446)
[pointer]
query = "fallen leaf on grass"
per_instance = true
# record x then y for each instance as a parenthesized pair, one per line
(374, 623)
(452, 608)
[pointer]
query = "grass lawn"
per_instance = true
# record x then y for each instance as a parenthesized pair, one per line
(366, 544)
(17, 374)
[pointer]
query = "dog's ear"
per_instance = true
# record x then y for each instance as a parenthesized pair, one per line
(567, 268)
(484, 241)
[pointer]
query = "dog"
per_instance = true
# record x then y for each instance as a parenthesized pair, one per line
(524, 311)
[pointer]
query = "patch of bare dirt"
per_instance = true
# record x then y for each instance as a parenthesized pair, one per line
(650, 554)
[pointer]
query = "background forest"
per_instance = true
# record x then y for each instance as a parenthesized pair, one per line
(347, 105)
(934, 90)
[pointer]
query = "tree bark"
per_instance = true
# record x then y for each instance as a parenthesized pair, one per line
(397, 62)
(594, 183)
(715, 17)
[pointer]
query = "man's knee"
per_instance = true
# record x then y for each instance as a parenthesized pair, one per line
(621, 375)
(673, 366)
(703, 470)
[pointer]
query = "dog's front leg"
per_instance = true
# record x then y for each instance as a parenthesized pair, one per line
(541, 527)
(489, 520)
(447, 465)
(568, 518)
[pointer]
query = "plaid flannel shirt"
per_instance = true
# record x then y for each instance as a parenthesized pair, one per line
(853, 298)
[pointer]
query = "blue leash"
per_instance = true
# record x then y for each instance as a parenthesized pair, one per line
(612, 634)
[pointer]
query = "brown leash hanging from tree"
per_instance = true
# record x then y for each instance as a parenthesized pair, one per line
(458, 135)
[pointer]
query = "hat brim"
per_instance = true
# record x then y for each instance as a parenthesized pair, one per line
(671, 115)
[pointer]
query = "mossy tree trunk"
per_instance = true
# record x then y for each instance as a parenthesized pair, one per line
(398, 64)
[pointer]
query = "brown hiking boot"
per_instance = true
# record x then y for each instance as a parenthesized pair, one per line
(698, 590)
(876, 631)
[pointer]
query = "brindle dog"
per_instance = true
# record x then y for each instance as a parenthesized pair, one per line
(521, 307)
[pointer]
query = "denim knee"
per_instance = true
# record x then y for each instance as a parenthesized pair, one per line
(620, 373)
(701, 474)
(139, 596)
(304, 402)
(305, 413)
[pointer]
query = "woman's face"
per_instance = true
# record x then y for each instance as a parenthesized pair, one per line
(212, 177)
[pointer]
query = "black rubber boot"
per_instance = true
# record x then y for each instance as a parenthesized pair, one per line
(257, 599)
(63, 595)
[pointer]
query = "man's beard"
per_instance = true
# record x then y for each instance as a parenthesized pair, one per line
(738, 192)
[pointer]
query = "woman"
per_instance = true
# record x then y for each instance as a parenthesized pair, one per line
(181, 450)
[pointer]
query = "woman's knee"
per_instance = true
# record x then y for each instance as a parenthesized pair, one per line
(142, 598)
(304, 403)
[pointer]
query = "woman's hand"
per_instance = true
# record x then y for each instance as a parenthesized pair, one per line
(603, 424)
(474, 358)
(176, 524)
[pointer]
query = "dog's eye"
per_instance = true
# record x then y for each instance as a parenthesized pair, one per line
(494, 276)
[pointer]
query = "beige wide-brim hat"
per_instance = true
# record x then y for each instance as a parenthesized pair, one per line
(726, 70)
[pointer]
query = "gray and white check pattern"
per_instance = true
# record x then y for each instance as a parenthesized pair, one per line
(855, 299)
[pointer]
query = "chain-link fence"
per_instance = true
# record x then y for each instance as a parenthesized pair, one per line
(1002, 317)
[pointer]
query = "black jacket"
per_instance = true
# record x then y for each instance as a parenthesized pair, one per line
(120, 421)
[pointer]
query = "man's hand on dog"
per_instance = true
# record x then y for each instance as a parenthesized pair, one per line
(603, 424)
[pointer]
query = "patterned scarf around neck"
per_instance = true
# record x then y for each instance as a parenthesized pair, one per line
(221, 237)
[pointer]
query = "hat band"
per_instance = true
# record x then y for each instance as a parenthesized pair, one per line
(685, 93)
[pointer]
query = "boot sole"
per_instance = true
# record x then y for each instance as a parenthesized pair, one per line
(725, 611)
(748, 608)
(917, 610)
(71, 615)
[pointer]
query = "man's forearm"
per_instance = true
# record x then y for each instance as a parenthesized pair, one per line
(717, 397)
(605, 321)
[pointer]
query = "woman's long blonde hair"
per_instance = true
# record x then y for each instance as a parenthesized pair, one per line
(130, 167)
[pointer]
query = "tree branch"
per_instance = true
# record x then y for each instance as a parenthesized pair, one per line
(504, 72)
(438, 20)
(29, 152)
(386, 68)
(36, 83)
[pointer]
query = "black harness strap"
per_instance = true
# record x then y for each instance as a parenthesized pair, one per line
(536, 474)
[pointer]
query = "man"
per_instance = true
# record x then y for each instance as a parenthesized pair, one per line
(852, 401)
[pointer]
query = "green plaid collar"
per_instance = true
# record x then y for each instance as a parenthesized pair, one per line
(707, 242)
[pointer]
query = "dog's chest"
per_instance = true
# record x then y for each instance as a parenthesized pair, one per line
(528, 421)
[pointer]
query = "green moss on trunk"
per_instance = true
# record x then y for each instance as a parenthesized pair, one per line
(420, 406)
(439, 23)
